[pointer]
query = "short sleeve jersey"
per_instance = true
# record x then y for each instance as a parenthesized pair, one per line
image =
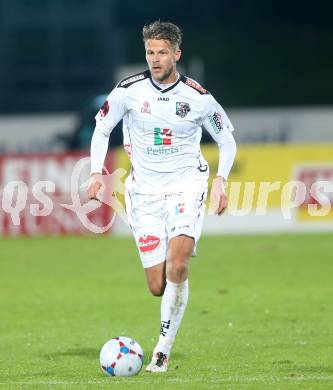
(162, 128)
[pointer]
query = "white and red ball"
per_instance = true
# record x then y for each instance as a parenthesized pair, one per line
(121, 356)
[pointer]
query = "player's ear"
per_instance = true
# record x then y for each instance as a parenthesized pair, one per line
(178, 54)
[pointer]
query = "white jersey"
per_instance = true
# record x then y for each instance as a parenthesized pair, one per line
(162, 129)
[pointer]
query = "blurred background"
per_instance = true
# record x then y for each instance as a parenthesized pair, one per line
(268, 63)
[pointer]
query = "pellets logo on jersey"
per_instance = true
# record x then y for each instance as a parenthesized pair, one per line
(145, 109)
(216, 122)
(148, 243)
(162, 136)
(182, 109)
(104, 109)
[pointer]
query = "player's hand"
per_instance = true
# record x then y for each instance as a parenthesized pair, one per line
(219, 198)
(96, 186)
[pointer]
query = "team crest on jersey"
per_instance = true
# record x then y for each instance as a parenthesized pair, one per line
(104, 109)
(182, 109)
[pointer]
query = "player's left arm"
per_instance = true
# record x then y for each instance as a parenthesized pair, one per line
(217, 123)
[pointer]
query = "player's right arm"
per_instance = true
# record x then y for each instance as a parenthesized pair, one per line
(112, 111)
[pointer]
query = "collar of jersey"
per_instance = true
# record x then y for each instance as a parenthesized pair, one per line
(166, 89)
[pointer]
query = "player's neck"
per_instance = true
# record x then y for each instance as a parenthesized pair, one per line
(170, 80)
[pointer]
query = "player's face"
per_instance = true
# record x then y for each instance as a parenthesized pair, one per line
(161, 58)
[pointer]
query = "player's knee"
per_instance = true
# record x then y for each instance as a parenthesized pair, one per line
(182, 254)
(181, 268)
(177, 268)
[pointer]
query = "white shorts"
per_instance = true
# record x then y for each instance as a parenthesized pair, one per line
(155, 219)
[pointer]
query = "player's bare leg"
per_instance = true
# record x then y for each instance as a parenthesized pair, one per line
(174, 299)
(156, 279)
(179, 252)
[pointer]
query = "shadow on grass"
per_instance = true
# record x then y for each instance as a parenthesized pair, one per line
(179, 356)
(90, 353)
(306, 370)
(93, 354)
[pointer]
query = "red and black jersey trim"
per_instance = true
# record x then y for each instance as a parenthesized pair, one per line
(194, 85)
(125, 83)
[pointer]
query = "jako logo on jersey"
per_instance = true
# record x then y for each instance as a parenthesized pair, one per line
(148, 243)
(162, 136)
(145, 109)
(180, 208)
(216, 122)
(162, 99)
(182, 109)
(104, 109)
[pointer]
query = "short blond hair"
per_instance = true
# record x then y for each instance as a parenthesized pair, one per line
(163, 30)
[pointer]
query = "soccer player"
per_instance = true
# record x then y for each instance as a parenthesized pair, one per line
(163, 113)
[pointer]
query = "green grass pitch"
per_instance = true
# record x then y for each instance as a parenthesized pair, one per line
(259, 316)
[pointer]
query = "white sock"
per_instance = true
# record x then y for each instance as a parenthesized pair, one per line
(173, 305)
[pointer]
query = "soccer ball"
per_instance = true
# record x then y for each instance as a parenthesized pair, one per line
(121, 356)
